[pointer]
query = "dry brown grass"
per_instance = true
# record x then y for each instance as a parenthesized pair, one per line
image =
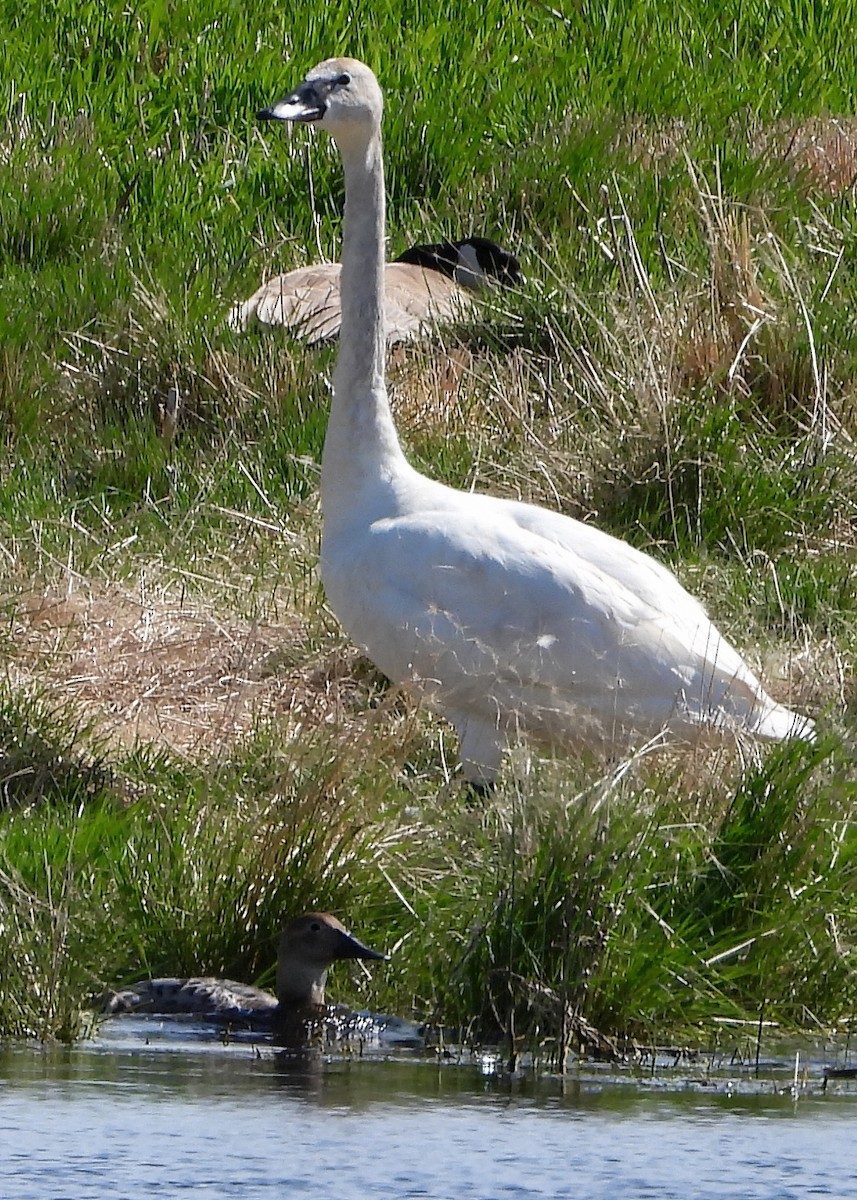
(151, 667)
(819, 152)
(429, 383)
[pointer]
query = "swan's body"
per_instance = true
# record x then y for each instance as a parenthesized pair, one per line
(425, 286)
(308, 948)
(508, 617)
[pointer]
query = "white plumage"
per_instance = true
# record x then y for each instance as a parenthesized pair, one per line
(509, 618)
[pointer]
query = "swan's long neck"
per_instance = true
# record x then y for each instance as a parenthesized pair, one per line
(361, 446)
(360, 367)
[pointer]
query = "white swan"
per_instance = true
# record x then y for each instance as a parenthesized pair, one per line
(507, 617)
(427, 285)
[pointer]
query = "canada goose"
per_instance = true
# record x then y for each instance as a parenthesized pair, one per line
(508, 617)
(309, 946)
(428, 284)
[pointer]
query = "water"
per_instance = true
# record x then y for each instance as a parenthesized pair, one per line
(149, 1107)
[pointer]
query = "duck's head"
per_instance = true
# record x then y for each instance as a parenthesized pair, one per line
(340, 94)
(308, 948)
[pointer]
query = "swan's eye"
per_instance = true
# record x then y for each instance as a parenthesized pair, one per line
(315, 927)
(343, 80)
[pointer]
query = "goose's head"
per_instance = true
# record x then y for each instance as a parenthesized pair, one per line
(308, 948)
(340, 94)
(472, 262)
(482, 261)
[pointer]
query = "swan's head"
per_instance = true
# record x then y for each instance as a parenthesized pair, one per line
(341, 95)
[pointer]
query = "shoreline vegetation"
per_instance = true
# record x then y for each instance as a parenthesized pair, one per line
(191, 753)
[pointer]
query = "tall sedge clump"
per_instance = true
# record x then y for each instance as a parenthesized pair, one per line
(658, 902)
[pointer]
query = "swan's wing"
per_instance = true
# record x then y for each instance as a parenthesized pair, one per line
(655, 585)
(496, 614)
(533, 610)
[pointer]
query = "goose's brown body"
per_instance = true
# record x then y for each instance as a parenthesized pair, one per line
(428, 285)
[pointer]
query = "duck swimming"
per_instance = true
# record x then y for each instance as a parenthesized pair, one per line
(427, 285)
(308, 947)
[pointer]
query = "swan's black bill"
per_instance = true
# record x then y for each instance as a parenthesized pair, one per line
(303, 105)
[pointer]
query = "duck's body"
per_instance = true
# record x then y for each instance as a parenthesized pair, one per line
(308, 947)
(425, 286)
(509, 618)
(205, 997)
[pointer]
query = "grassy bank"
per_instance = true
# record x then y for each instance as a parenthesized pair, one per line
(191, 752)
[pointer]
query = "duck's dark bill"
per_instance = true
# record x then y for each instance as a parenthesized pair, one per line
(352, 947)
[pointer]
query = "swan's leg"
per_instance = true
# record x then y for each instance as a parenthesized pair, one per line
(481, 746)
(475, 795)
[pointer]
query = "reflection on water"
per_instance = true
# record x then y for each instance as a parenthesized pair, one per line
(149, 1106)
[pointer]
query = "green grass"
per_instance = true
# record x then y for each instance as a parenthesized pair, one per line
(678, 368)
(648, 904)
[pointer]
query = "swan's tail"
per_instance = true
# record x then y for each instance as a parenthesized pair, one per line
(746, 706)
(776, 723)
